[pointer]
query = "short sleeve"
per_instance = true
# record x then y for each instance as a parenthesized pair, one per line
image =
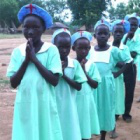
(54, 61)
(122, 55)
(94, 73)
(15, 62)
(79, 75)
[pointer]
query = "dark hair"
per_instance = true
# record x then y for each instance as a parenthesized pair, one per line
(42, 21)
(119, 24)
(63, 34)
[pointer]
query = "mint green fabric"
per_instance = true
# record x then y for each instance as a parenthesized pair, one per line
(106, 89)
(119, 85)
(66, 102)
(87, 110)
(134, 44)
(35, 112)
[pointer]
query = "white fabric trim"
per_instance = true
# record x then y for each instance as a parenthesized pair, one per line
(101, 56)
(70, 62)
(88, 64)
(44, 48)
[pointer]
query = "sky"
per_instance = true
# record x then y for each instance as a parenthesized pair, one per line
(114, 2)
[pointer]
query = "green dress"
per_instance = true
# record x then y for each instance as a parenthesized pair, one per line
(87, 110)
(134, 44)
(66, 101)
(35, 110)
(119, 85)
(106, 62)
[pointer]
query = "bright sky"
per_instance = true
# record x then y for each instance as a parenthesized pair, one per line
(115, 2)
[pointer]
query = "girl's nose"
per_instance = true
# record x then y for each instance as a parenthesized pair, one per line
(30, 32)
(64, 50)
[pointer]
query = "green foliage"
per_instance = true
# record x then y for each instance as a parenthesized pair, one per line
(119, 12)
(134, 6)
(122, 9)
(56, 8)
(8, 11)
(10, 8)
(87, 12)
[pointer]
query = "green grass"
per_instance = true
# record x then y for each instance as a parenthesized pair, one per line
(10, 36)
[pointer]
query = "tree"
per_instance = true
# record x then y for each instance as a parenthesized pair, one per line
(56, 9)
(122, 9)
(119, 12)
(10, 8)
(87, 12)
(8, 12)
(134, 6)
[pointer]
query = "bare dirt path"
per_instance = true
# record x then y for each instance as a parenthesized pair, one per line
(126, 131)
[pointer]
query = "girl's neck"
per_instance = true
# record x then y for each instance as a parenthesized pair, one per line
(80, 59)
(116, 43)
(37, 45)
(64, 59)
(101, 47)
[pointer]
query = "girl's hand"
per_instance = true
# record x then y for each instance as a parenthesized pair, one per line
(83, 62)
(133, 54)
(27, 59)
(31, 51)
(120, 64)
(64, 65)
(130, 35)
(115, 74)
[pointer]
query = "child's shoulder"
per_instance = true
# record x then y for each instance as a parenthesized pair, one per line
(72, 62)
(90, 65)
(49, 46)
(19, 50)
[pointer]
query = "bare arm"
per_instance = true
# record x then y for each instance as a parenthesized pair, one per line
(17, 77)
(72, 83)
(91, 82)
(126, 66)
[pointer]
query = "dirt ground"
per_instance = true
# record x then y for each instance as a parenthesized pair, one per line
(127, 131)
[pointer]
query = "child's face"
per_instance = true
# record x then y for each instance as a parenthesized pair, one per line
(64, 45)
(32, 28)
(82, 47)
(133, 24)
(102, 34)
(118, 32)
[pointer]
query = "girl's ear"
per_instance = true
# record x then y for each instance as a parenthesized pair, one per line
(73, 48)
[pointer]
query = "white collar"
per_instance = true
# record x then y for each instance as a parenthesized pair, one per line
(44, 48)
(101, 56)
(88, 64)
(70, 62)
(121, 47)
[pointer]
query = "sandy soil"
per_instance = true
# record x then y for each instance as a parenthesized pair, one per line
(127, 131)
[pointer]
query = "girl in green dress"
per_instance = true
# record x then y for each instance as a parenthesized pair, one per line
(106, 57)
(69, 84)
(119, 28)
(34, 70)
(87, 112)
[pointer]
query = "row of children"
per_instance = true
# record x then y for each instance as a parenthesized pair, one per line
(60, 98)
